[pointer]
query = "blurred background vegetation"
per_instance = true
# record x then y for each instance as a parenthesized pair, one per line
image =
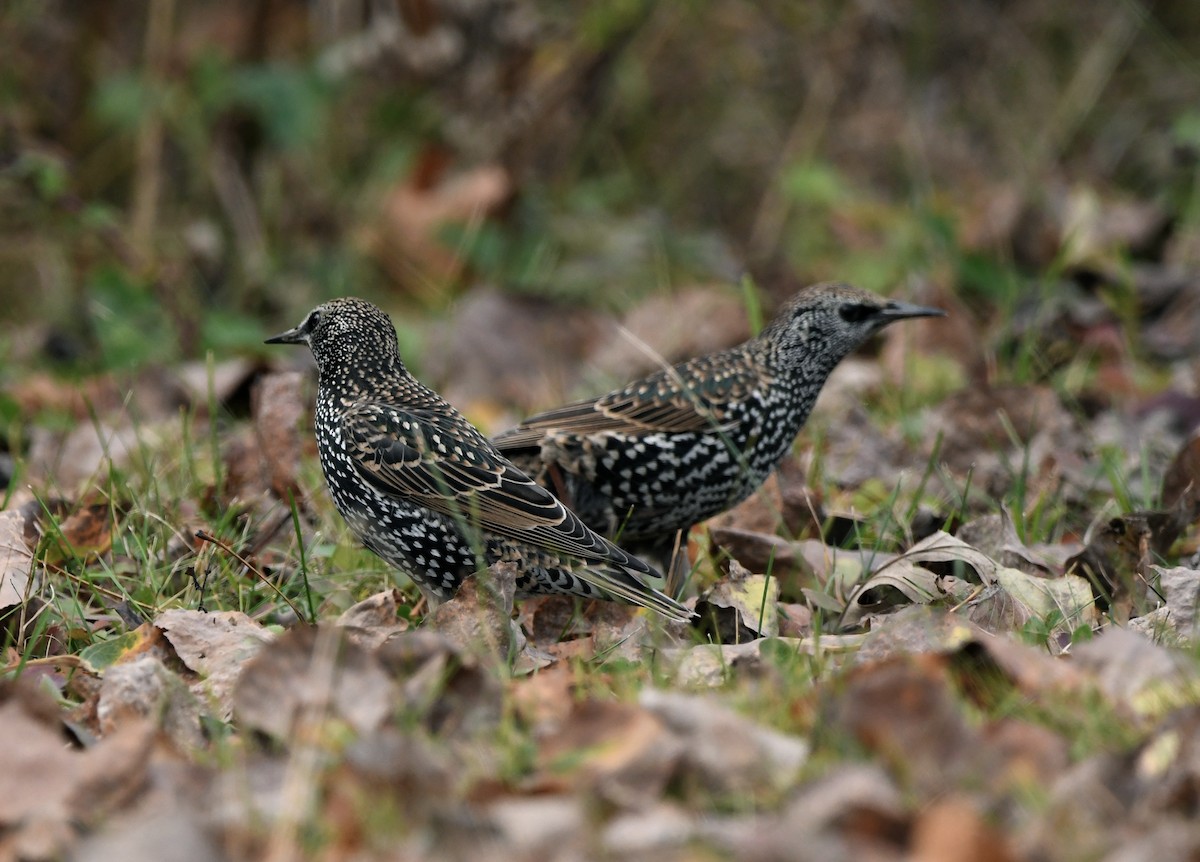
(179, 177)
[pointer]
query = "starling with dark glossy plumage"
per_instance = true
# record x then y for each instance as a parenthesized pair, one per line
(422, 488)
(689, 442)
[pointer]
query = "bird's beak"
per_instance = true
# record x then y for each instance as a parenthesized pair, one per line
(292, 336)
(897, 310)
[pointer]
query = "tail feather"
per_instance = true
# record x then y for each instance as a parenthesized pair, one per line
(626, 587)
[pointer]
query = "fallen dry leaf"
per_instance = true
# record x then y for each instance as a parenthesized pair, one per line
(38, 775)
(412, 763)
(113, 772)
(16, 559)
(87, 532)
(1024, 754)
(1180, 587)
(146, 639)
(621, 751)
(1005, 600)
(740, 607)
(277, 407)
(1181, 481)
(914, 630)
(1091, 228)
(1017, 597)
(410, 237)
(545, 699)
(857, 805)
(479, 616)
(216, 646)
(853, 811)
(725, 753)
(795, 621)
(176, 834)
(901, 582)
(904, 711)
(71, 462)
(450, 689)
(954, 830)
(710, 665)
(902, 578)
(1087, 800)
(978, 656)
(537, 825)
(995, 535)
(1172, 334)
(1115, 562)
(550, 619)
(308, 675)
(56, 788)
(759, 552)
(654, 831)
(143, 690)
(1167, 764)
(1134, 672)
(205, 383)
(373, 620)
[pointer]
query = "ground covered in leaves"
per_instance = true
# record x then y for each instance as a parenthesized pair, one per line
(959, 623)
(887, 663)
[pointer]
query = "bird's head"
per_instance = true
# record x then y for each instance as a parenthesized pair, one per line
(343, 329)
(830, 320)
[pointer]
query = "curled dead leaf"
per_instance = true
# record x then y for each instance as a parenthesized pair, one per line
(1005, 599)
(741, 607)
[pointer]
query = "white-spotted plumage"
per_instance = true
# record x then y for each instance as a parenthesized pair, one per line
(689, 442)
(425, 490)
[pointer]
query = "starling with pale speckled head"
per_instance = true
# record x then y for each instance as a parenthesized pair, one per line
(422, 488)
(689, 442)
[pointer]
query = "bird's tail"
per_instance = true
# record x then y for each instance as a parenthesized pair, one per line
(626, 587)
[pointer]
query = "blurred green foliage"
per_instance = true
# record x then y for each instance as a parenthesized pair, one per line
(647, 145)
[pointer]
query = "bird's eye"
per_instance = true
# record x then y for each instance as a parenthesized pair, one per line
(314, 320)
(856, 313)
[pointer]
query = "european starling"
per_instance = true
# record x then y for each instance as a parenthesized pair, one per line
(426, 491)
(689, 442)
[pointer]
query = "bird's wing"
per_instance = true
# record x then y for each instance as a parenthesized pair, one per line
(691, 397)
(422, 456)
